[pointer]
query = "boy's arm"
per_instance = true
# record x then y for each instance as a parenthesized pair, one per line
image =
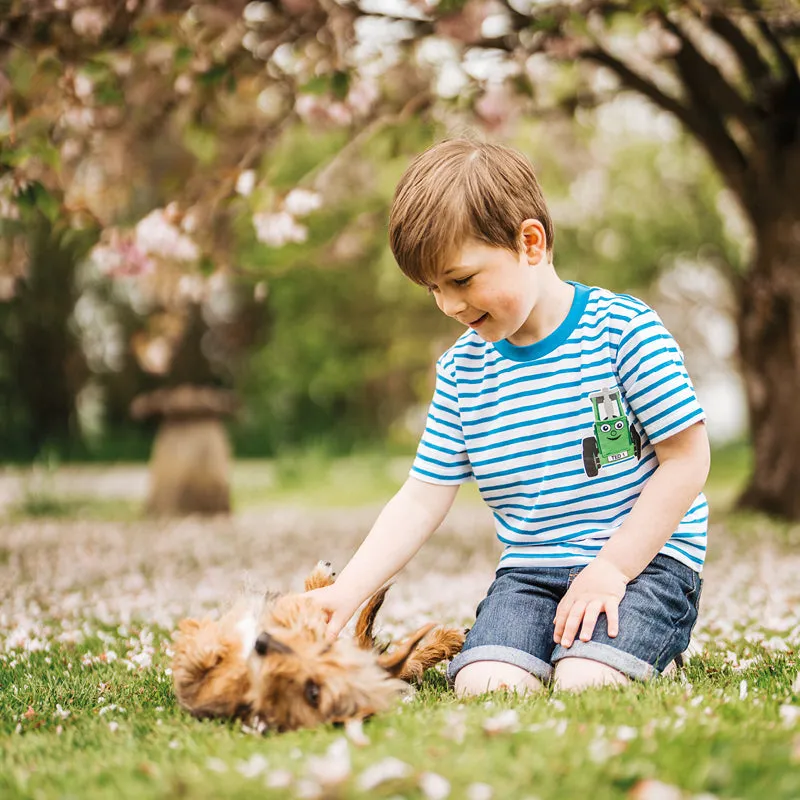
(669, 492)
(404, 525)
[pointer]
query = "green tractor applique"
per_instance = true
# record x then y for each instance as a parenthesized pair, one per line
(614, 439)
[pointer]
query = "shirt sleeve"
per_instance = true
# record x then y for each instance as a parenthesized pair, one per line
(654, 380)
(442, 454)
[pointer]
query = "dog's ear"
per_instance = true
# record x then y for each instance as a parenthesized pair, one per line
(366, 619)
(394, 662)
(188, 626)
(200, 646)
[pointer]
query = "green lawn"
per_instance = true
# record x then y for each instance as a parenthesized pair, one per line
(87, 711)
(72, 726)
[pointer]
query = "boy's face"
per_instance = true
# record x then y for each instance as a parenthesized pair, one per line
(489, 289)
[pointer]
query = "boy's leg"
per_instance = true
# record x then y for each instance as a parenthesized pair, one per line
(574, 674)
(656, 617)
(490, 676)
(511, 643)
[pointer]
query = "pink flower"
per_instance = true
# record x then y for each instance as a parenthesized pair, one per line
(278, 229)
(496, 106)
(121, 257)
(89, 22)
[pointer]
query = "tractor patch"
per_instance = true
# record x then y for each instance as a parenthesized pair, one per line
(614, 439)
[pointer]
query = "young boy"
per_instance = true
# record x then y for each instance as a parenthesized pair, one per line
(572, 409)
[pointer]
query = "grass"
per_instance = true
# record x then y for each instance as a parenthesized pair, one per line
(73, 726)
(98, 719)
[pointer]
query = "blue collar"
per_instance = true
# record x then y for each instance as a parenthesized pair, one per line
(530, 352)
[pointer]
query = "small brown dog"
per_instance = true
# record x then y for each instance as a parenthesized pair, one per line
(268, 661)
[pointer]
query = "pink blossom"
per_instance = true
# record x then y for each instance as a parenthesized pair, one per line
(496, 106)
(322, 110)
(257, 12)
(121, 257)
(83, 85)
(89, 22)
(278, 229)
(339, 113)
(464, 25)
(362, 97)
(300, 202)
(246, 182)
(157, 235)
(183, 84)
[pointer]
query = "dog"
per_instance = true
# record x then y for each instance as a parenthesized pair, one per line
(268, 662)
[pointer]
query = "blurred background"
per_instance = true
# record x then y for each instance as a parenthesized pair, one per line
(193, 207)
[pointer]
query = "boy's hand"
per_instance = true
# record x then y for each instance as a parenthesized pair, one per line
(599, 587)
(337, 606)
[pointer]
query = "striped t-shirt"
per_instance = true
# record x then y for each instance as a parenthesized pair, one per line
(559, 434)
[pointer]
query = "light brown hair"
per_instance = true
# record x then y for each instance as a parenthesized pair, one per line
(459, 189)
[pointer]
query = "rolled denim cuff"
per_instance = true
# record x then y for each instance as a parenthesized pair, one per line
(605, 654)
(495, 652)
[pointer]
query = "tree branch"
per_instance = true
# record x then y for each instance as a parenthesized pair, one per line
(753, 65)
(786, 61)
(712, 95)
(714, 137)
(316, 177)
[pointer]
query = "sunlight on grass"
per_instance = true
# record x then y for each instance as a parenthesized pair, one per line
(73, 719)
(87, 703)
(311, 478)
(730, 468)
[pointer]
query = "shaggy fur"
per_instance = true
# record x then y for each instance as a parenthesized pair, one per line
(268, 661)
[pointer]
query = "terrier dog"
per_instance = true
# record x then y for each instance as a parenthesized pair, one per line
(267, 661)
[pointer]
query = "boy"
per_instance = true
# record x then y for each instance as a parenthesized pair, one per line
(572, 409)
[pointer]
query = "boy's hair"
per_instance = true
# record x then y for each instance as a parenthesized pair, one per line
(459, 189)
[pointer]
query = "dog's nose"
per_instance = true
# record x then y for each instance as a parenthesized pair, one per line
(262, 643)
(266, 643)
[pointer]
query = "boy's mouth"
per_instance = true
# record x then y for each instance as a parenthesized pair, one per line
(478, 322)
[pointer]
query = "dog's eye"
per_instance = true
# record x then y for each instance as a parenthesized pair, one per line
(311, 692)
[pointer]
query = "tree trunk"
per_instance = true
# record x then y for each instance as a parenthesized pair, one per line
(190, 468)
(47, 363)
(769, 330)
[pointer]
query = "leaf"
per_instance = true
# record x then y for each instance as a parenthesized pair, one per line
(319, 84)
(340, 84)
(47, 203)
(107, 94)
(201, 142)
(182, 58)
(213, 76)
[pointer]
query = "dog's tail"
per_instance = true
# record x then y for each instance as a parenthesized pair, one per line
(404, 652)
(443, 644)
(366, 619)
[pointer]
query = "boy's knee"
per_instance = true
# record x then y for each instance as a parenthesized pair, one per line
(574, 674)
(491, 676)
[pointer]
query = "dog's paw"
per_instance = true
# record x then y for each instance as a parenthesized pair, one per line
(321, 575)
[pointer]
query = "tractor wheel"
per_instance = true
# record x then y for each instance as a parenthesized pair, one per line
(591, 456)
(637, 442)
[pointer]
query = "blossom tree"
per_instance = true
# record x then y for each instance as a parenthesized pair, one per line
(168, 112)
(728, 71)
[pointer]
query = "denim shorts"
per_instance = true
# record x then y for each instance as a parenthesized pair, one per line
(515, 621)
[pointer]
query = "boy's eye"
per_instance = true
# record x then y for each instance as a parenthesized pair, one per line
(462, 281)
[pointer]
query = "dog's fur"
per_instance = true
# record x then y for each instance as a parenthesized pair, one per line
(268, 661)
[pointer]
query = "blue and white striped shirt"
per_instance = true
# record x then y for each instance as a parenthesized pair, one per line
(535, 427)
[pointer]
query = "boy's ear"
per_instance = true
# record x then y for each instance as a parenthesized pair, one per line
(534, 240)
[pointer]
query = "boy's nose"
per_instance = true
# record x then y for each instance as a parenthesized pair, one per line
(451, 305)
